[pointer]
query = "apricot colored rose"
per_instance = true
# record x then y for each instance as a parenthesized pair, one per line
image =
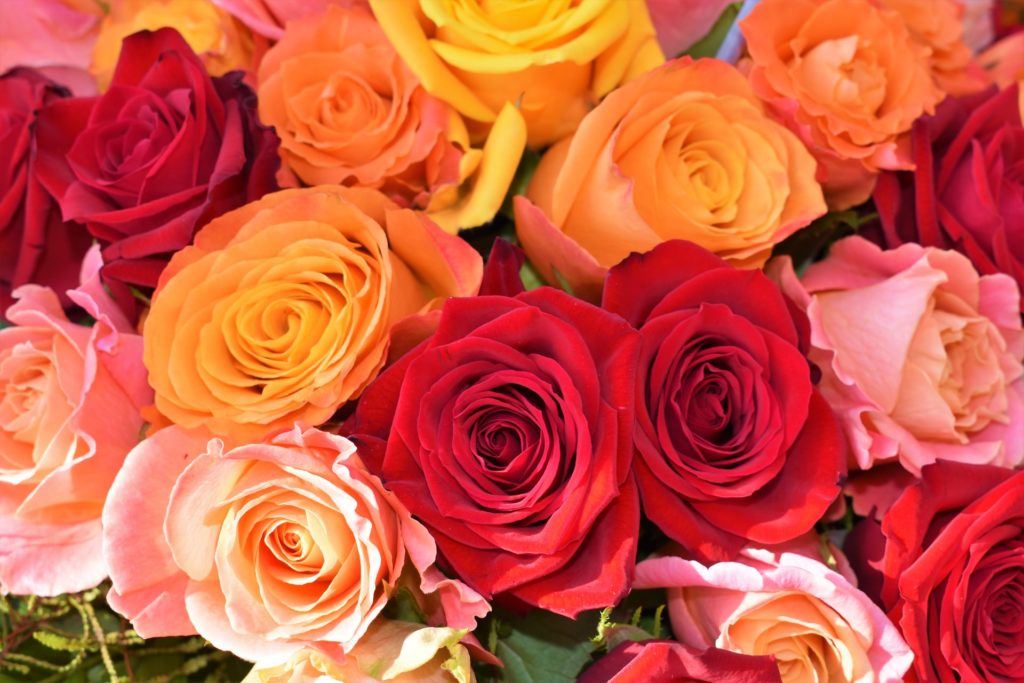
(223, 43)
(683, 152)
(281, 311)
(262, 549)
(849, 78)
(550, 58)
(70, 410)
(349, 112)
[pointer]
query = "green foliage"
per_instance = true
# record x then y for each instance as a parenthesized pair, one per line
(539, 648)
(78, 639)
(709, 44)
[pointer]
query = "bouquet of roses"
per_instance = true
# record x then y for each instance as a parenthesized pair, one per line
(506, 340)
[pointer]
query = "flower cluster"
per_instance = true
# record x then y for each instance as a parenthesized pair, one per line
(465, 340)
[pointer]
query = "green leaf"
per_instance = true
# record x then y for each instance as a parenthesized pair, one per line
(544, 647)
(709, 44)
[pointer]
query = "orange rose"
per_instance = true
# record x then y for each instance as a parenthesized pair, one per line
(282, 309)
(223, 43)
(683, 152)
(848, 77)
(349, 112)
(550, 58)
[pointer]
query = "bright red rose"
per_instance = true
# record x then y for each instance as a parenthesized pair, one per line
(734, 443)
(35, 244)
(967, 192)
(947, 562)
(509, 435)
(660, 661)
(155, 157)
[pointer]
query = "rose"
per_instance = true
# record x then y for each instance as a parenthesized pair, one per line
(847, 76)
(282, 309)
(968, 191)
(920, 357)
(268, 17)
(508, 434)
(162, 152)
(947, 564)
(550, 60)
(349, 112)
(264, 548)
(684, 151)
(682, 23)
(54, 37)
(70, 402)
(733, 442)
(390, 651)
(221, 42)
(668, 662)
(35, 245)
(817, 625)
(979, 23)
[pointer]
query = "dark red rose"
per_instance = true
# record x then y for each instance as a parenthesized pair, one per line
(163, 151)
(660, 661)
(35, 244)
(947, 563)
(734, 444)
(967, 192)
(509, 435)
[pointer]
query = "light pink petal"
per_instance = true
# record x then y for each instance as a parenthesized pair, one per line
(49, 559)
(681, 23)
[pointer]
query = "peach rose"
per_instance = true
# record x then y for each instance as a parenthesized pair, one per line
(282, 309)
(683, 152)
(390, 651)
(815, 623)
(53, 36)
(265, 548)
(220, 41)
(920, 356)
(551, 59)
(268, 17)
(70, 410)
(349, 112)
(849, 78)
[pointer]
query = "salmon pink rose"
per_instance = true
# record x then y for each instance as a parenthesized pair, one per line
(683, 152)
(815, 623)
(268, 17)
(849, 78)
(53, 36)
(681, 23)
(733, 442)
(668, 662)
(283, 309)
(509, 435)
(262, 549)
(920, 357)
(70, 410)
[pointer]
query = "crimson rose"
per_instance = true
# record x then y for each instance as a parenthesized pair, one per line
(967, 192)
(509, 435)
(947, 563)
(734, 443)
(659, 661)
(155, 157)
(35, 244)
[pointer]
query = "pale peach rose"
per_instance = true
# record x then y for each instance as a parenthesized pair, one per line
(53, 36)
(849, 78)
(283, 309)
(70, 402)
(269, 17)
(350, 112)
(550, 60)
(264, 549)
(390, 651)
(683, 152)
(815, 623)
(920, 356)
(221, 42)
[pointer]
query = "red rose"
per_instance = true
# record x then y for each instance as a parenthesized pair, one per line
(35, 244)
(659, 661)
(734, 443)
(509, 435)
(967, 192)
(947, 562)
(158, 155)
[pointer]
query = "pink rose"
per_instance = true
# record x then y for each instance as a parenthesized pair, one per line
(263, 549)
(817, 625)
(70, 402)
(920, 356)
(681, 23)
(53, 36)
(268, 17)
